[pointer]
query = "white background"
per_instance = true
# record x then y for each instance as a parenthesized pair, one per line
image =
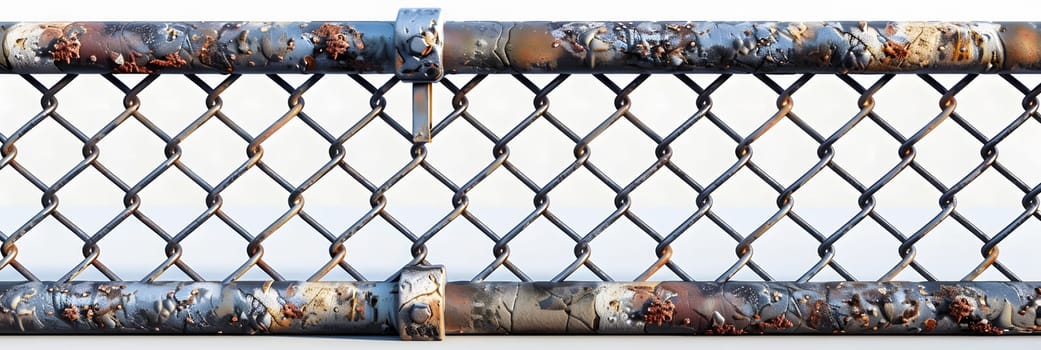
(868, 252)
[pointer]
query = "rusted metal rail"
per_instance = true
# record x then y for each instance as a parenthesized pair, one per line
(522, 47)
(379, 308)
(419, 304)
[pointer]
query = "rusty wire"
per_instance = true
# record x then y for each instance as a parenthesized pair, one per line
(541, 112)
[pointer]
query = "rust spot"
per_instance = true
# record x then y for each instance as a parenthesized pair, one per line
(129, 65)
(856, 310)
(173, 60)
(66, 50)
(334, 40)
(960, 309)
(71, 313)
(893, 50)
(309, 63)
(658, 311)
(48, 35)
(961, 47)
(205, 49)
(930, 325)
(291, 311)
(780, 322)
(328, 29)
(1022, 48)
(984, 327)
(724, 329)
(336, 46)
(816, 313)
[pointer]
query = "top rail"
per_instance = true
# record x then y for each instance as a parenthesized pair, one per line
(525, 47)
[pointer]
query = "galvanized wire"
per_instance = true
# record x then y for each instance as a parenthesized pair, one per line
(339, 248)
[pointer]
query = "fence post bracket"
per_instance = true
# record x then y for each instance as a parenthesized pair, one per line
(420, 46)
(421, 303)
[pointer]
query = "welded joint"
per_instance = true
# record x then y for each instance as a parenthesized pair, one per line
(421, 303)
(420, 48)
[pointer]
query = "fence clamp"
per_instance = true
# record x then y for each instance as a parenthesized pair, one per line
(421, 303)
(417, 37)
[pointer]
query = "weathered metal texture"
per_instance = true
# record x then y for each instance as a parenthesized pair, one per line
(524, 47)
(421, 303)
(691, 308)
(198, 307)
(745, 308)
(198, 47)
(757, 47)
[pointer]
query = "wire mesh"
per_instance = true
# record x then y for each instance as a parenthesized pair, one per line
(350, 149)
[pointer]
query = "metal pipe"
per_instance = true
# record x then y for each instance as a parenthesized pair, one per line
(694, 308)
(521, 308)
(525, 47)
(197, 307)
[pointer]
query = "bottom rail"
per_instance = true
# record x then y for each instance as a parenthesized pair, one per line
(413, 309)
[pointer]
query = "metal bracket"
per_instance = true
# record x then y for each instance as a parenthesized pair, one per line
(421, 303)
(417, 37)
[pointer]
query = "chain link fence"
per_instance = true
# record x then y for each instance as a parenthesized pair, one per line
(585, 177)
(650, 240)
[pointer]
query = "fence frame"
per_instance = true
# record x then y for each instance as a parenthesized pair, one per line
(418, 304)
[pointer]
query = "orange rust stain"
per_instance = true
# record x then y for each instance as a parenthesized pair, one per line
(66, 50)
(781, 322)
(71, 313)
(173, 60)
(328, 29)
(892, 49)
(336, 42)
(658, 312)
(986, 328)
(537, 52)
(130, 65)
(725, 329)
(959, 309)
(817, 313)
(291, 311)
(961, 47)
(1022, 45)
(930, 325)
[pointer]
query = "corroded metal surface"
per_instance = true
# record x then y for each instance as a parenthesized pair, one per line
(691, 308)
(197, 307)
(181, 47)
(523, 47)
(745, 308)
